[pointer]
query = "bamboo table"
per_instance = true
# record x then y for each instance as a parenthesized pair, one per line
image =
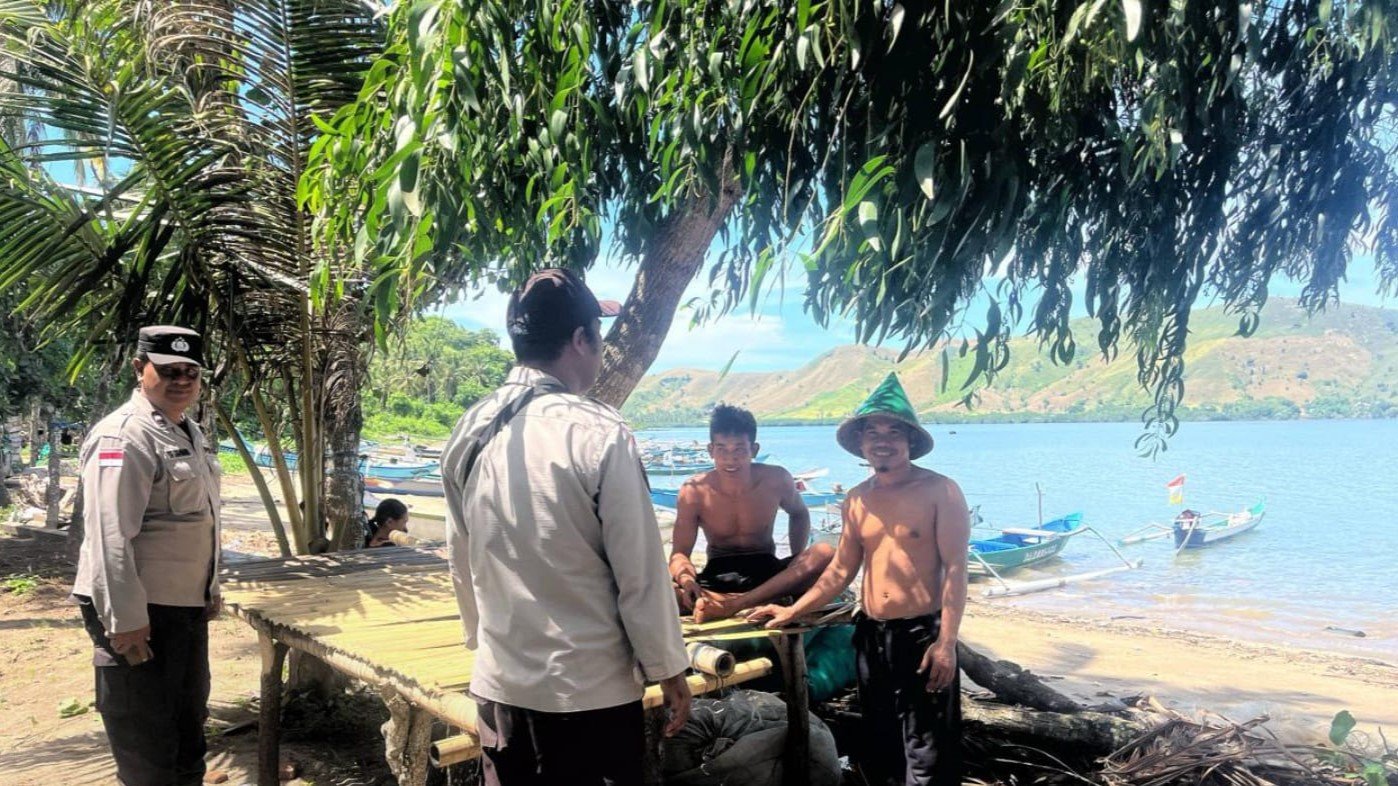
(388, 617)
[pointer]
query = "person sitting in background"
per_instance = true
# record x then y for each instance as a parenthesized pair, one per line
(391, 515)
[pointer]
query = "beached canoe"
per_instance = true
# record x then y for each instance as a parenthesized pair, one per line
(1195, 530)
(1018, 548)
(427, 486)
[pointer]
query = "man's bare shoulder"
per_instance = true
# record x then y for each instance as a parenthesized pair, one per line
(771, 474)
(693, 487)
(940, 486)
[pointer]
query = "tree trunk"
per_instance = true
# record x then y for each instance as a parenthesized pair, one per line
(674, 258)
(344, 486)
(343, 413)
(53, 495)
(35, 418)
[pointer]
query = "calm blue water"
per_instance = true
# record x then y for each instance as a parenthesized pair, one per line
(1326, 554)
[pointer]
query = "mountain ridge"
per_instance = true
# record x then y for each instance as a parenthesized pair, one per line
(1339, 363)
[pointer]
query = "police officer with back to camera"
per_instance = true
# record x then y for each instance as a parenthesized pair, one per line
(147, 580)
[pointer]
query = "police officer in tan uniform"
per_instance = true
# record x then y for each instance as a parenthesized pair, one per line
(148, 572)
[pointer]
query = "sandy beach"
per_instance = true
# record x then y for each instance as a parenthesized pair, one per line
(45, 669)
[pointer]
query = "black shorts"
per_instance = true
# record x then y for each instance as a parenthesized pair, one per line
(740, 572)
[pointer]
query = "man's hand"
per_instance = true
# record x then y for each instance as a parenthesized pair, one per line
(213, 608)
(939, 664)
(133, 645)
(687, 589)
(677, 700)
(776, 616)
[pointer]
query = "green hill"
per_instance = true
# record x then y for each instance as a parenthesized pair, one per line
(1340, 363)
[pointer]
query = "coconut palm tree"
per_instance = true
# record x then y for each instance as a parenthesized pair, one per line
(195, 119)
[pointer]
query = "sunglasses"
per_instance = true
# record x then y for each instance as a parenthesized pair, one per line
(179, 372)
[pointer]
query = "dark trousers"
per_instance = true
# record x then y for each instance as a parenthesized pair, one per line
(913, 736)
(154, 713)
(592, 748)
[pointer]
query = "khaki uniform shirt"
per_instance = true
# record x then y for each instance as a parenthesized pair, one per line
(556, 555)
(150, 516)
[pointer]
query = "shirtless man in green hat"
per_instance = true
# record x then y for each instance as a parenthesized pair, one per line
(908, 527)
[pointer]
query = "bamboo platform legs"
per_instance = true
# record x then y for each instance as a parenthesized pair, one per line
(407, 739)
(796, 763)
(270, 712)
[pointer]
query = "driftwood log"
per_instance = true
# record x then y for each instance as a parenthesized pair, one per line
(1085, 731)
(1012, 684)
(1030, 711)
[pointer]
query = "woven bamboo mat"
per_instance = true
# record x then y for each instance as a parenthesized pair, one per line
(392, 609)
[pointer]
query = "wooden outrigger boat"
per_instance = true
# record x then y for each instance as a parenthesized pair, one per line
(1015, 548)
(1018, 548)
(1194, 530)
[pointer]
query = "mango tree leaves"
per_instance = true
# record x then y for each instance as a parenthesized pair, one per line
(894, 153)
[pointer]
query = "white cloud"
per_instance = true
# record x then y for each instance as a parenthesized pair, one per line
(780, 336)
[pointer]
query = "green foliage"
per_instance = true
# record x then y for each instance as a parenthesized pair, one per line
(232, 463)
(193, 121)
(423, 382)
(1340, 727)
(1373, 770)
(893, 152)
(19, 584)
(71, 708)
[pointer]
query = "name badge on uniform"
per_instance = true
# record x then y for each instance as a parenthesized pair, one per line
(174, 453)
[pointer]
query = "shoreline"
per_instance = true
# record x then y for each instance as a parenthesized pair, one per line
(1300, 689)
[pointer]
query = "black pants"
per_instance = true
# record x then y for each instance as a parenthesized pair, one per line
(740, 572)
(592, 748)
(914, 737)
(154, 713)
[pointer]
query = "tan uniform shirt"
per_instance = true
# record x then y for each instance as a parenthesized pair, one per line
(150, 516)
(556, 554)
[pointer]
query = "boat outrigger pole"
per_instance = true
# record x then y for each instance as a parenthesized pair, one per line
(1026, 587)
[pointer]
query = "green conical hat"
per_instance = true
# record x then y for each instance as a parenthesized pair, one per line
(889, 400)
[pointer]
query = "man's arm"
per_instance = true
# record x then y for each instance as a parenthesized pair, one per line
(838, 574)
(631, 541)
(459, 542)
(798, 531)
(953, 529)
(117, 478)
(682, 540)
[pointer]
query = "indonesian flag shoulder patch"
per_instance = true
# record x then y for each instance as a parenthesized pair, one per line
(110, 455)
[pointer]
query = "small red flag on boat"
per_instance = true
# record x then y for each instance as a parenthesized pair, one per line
(1176, 489)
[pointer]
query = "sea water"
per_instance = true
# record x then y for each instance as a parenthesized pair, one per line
(1325, 556)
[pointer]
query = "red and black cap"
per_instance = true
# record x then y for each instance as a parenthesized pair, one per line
(165, 345)
(552, 304)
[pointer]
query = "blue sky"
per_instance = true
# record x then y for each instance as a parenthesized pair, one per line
(781, 335)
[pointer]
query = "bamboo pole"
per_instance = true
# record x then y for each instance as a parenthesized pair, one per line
(454, 750)
(274, 449)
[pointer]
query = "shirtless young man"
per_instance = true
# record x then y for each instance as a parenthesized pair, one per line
(735, 504)
(908, 528)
